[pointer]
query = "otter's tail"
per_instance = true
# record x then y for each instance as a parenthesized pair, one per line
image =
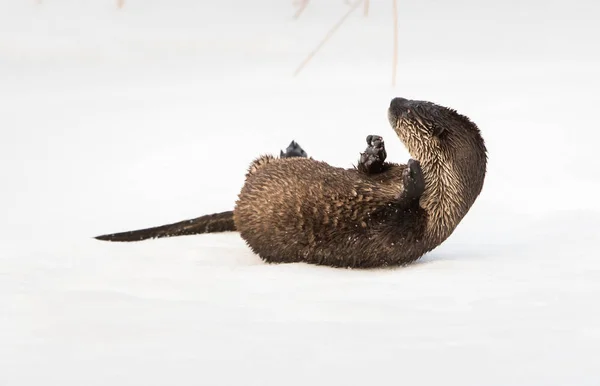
(212, 223)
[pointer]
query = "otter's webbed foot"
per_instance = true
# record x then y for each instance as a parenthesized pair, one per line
(412, 180)
(293, 150)
(373, 159)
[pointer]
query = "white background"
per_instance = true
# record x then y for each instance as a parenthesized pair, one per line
(114, 120)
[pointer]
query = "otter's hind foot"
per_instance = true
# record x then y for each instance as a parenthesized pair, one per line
(413, 180)
(372, 160)
(293, 150)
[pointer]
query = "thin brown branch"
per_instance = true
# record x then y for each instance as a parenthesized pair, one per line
(120, 3)
(395, 54)
(303, 5)
(366, 9)
(328, 36)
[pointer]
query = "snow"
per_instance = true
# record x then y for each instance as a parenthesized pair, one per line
(115, 120)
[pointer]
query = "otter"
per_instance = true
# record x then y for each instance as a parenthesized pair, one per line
(297, 209)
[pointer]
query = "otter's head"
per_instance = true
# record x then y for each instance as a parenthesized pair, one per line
(452, 155)
(431, 131)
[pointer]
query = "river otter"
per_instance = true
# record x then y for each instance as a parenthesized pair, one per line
(296, 209)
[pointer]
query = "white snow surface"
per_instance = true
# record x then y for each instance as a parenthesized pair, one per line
(115, 120)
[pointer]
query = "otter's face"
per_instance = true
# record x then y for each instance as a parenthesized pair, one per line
(451, 153)
(424, 127)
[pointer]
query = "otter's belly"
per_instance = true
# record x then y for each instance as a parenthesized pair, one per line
(309, 211)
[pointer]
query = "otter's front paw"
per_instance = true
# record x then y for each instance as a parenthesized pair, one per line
(413, 180)
(371, 161)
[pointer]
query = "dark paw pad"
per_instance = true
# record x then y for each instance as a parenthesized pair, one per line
(374, 156)
(414, 182)
(293, 150)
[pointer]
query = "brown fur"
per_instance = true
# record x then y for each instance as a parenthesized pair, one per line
(303, 210)
(297, 209)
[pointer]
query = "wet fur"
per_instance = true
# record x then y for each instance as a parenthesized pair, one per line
(302, 210)
(296, 209)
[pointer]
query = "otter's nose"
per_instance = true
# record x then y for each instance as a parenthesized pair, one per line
(398, 102)
(399, 106)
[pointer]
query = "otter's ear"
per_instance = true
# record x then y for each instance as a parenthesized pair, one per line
(437, 130)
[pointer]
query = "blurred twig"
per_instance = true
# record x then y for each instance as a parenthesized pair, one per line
(303, 5)
(395, 54)
(328, 36)
(120, 3)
